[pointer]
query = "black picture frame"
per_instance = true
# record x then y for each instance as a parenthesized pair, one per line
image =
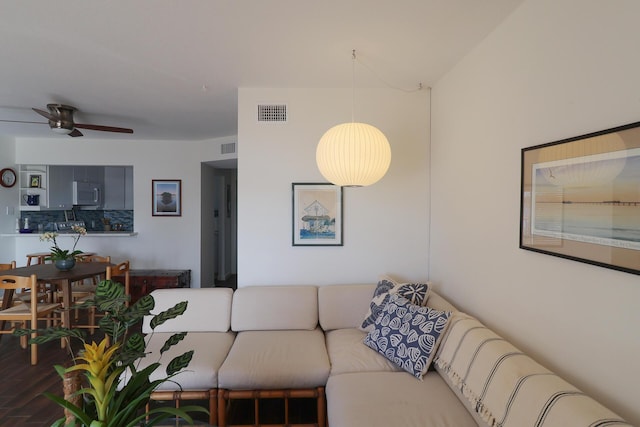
(35, 181)
(316, 214)
(580, 198)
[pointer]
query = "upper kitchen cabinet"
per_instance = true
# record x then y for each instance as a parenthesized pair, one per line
(118, 187)
(92, 174)
(60, 187)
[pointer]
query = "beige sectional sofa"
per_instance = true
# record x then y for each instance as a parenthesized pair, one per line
(307, 341)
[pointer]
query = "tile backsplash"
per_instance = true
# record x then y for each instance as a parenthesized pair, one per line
(94, 219)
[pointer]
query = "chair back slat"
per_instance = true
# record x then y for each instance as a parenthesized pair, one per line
(18, 282)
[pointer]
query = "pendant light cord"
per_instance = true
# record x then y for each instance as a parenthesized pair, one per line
(353, 86)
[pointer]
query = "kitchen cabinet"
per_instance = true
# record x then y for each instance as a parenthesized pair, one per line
(92, 174)
(118, 187)
(60, 187)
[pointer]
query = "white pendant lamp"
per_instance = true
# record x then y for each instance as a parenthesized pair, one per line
(353, 154)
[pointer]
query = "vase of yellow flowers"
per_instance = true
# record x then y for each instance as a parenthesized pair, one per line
(115, 392)
(64, 259)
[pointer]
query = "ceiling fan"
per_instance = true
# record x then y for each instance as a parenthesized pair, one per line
(60, 118)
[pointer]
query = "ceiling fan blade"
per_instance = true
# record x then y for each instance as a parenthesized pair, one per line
(46, 114)
(75, 132)
(22, 121)
(103, 128)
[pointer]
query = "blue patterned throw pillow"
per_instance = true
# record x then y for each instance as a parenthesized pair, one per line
(408, 334)
(417, 293)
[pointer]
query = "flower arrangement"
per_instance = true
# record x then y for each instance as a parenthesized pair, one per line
(118, 391)
(58, 254)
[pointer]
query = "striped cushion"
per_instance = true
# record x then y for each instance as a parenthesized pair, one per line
(508, 388)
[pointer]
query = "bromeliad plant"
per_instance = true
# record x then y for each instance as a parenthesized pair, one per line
(118, 393)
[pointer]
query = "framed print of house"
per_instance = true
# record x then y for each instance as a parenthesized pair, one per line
(317, 214)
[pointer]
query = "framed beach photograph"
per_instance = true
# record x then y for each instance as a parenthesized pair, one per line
(580, 198)
(166, 197)
(317, 214)
(35, 181)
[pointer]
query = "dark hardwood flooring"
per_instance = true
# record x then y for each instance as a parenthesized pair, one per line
(21, 399)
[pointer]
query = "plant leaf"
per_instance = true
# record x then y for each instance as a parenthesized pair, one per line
(49, 334)
(133, 349)
(173, 340)
(78, 412)
(168, 314)
(179, 363)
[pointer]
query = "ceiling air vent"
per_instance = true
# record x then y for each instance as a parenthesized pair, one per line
(229, 148)
(272, 113)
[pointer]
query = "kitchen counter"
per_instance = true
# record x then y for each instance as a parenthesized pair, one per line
(89, 234)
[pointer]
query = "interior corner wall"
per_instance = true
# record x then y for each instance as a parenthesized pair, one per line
(385, 224)
(554, 69)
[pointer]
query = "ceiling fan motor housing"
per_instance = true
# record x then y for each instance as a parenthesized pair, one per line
(64, 116)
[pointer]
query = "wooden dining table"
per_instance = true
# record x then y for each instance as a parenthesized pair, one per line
(48, 273)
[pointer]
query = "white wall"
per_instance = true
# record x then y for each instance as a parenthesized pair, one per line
(555, 69)
(8, 199)
(162, 242)
(385, 225)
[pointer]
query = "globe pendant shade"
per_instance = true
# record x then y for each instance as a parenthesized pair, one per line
(353, 155)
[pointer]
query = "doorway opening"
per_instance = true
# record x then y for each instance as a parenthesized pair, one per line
(219, 224)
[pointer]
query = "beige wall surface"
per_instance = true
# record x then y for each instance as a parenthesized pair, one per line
(385, 224)
(553, 70)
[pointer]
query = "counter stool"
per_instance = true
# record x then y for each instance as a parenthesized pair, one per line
(38, 256)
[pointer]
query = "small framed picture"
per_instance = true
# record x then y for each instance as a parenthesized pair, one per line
(317, 214)
(166, 197)
(35, 181)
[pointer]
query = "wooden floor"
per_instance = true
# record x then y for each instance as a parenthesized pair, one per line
(22, 385)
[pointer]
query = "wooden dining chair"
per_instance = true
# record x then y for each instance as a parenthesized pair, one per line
(119, 270)
(27, 314)
(87, 288)
(8, 266)
(24, 295)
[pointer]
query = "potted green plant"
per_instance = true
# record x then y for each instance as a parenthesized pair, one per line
(116, 393)
(64, 259)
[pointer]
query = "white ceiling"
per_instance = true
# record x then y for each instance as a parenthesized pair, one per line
(170, 69)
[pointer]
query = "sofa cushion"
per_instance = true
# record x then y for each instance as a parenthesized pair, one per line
(383, 399)
(408, 334)
(508, 388)
(343, 306)
(260, 360)
(210, 350)
(417, 293)
(261, 308)
(348, 353)
(208, 309)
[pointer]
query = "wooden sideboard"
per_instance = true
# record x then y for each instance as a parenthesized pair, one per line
(143, 282)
